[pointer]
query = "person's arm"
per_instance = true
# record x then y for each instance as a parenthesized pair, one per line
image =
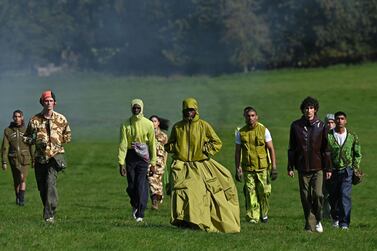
(152, 145)
(214, 144)
(67, 134)
(271, 150)
(123, 144)
(237, 162)
(4, 152)
(170, 145)
(356, 153)
(291, 151)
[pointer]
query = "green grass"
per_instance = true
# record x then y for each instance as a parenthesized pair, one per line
(94, 210)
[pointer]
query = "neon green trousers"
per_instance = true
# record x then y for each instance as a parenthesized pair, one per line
(257, 190)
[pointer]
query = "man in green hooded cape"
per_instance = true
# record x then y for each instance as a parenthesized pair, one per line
(203, 192)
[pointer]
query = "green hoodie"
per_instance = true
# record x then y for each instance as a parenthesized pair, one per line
(137, 129)
(192, 140)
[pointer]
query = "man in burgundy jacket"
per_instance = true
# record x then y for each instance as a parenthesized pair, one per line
(308, 153)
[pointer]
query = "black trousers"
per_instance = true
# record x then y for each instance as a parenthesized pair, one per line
(138, 187)
(46, 176)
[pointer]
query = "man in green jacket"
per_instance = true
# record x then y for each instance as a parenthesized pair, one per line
(203, 194)
(258, 165)
(137, 149)
(346, 156)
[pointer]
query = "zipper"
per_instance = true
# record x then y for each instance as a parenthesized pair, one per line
(18, 147)
(188, 148)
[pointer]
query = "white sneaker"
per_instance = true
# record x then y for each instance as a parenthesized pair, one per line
(134, 211)
(139, 219)
(50, 220)
(335, 223)
(318, 227)
(344, 228)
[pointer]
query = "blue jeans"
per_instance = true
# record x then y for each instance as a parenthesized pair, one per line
(340, 195)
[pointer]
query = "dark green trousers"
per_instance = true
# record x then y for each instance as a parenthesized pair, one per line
(311, 193)
(46, 176)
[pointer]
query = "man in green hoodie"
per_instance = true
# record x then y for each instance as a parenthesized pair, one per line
(203, 192)
(137, 150)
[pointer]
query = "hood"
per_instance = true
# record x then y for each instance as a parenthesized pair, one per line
(191, 103)
(141, 104)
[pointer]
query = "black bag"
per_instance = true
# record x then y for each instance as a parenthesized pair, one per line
(357, 177)
(61, 164)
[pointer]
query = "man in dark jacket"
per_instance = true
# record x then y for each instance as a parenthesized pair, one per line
(308, 152)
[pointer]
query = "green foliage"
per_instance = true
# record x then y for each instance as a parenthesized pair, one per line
(94, 211)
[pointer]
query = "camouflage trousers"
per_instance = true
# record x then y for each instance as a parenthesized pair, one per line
(155, 182)
(257, 190)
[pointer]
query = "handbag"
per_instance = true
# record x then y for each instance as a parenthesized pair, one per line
(357, 177)
(60, 163)
(141, 150)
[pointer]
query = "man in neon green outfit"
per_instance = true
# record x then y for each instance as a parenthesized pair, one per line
(137, 149)
(254, 144)
(203, 193)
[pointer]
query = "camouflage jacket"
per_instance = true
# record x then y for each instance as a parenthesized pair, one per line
(48, 135)
(161, 140)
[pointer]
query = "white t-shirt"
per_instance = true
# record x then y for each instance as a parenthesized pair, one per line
(340, 137)
(267, 136)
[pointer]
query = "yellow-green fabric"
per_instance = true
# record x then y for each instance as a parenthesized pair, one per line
(257, 190)
(137, 129)
(254, 154)
(204, 194)
(193, 140)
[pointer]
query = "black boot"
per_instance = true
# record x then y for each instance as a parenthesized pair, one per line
(22, 198)
(17, 198)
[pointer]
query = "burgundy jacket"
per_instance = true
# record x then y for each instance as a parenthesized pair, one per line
(308, 147)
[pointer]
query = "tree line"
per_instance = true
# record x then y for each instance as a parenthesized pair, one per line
(185, 36)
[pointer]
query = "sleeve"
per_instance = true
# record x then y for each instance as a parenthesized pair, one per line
(325, 150)
(267, 136)
(213, 143)
(67, 134)
(29, 134)
(4, 149)
(170, 145)
(122, 151)
(291, 149)
(237, 137)
(152, 145)
(356, 153)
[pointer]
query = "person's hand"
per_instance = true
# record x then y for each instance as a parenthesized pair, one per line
(152, 170)
(274, 173)
(4, 166)
(328, 175)
(122, 170)
(239, 174)
(291, 173)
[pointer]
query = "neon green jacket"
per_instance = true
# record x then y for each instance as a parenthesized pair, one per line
(137, 129)
(193, 140)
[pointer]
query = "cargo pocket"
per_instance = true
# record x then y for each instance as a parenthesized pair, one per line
(25, 157)
(263, 162)
(213, 185)
(229, 194)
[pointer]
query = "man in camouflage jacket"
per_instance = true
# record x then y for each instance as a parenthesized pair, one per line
(48, 131)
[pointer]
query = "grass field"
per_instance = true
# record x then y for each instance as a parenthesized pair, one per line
(94, 210)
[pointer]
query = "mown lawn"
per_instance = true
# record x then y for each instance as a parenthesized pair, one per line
(94, 211)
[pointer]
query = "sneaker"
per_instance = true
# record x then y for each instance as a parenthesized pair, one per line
(253, 221)
(344, 227)
(318, 227)
(139, 219)
(335, 223)
(50, 220)
(265, 219)
(134, 211)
